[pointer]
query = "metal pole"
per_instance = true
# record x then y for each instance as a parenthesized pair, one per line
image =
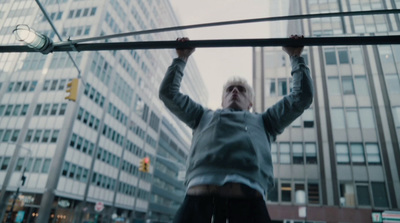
(271, 42)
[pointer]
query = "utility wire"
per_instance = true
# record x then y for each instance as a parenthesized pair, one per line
(267, 19)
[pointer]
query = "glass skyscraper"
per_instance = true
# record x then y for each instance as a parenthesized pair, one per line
(341, 158)
(84, 155)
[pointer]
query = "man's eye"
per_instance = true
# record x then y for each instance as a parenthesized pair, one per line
(241, 88)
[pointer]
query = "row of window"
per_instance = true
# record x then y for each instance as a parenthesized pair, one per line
(113, 135)
(112, 24)
(50, 109)
(42, 135)
(76, 31)
(295, 153)
(287, 192)
(129, 190)
(343, 118)
(81, 144)
(34, 165)
(356, 154)
(14, 110)
(122, 90)
(351, 195)
(127, 67)
(101, 68)
(348, 85)
(134, 149)
(117, 114)
(88, 119)
(103, 181)
(94, 95)
(9, 135)
(151, 141)
(129, 168)
(75, 172)
(21, 86)
(77, 13)
(55, 85)
(108, 157)
(343, 56)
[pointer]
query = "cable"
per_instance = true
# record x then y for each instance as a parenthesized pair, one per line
(267, 19)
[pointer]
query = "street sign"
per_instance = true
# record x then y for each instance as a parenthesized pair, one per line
(20, 216)
(376, 217)
(99, 206)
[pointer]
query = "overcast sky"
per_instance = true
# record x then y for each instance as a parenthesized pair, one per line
(216, 65)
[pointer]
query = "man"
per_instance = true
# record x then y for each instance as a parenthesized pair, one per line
(229, 168)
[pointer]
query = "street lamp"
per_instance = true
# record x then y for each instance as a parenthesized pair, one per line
(33, 39)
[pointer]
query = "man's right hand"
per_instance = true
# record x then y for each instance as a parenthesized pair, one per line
(184, 53)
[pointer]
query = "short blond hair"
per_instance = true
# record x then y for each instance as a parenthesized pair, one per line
(239, 80)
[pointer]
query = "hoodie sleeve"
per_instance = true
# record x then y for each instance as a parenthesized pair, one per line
(179, 104)
(290, 107)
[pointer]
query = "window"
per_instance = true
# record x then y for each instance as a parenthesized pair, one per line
(24, 110)
(46, 136)
(347, 198)
(342, 153)
(308, 118)
(347, 84)
(343, 56)
(20, 163)
(298, 157)
(29, 135)
(330, 56)
(46, 109)
(16, 110)
(63, 107)
(379, 194)
(46, 166)
(366, 118)
(284, 150)
(5, 163)
(333, 86)
(352, 118)
(356, 55)
(357, 153)
(271, 85)
(54, 137)
(71, 173)
(363, 197)
(311, 153)
(313, 193)
(15, 135)
(65, 169)
(392, 83)
(37, 109)
(37, 136)
(36, 165)
(286, 192)
(2, 107)
(282, 87)
(54, 109)
(372, 153)
(8, 110)
(7, 135)
(337, 118)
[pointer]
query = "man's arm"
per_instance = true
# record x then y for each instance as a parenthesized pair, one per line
(285, 111)
(179, 104)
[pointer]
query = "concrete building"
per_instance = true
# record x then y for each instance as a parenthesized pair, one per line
(83, 153)
(341, 158)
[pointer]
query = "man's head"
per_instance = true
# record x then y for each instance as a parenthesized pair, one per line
(237, 94)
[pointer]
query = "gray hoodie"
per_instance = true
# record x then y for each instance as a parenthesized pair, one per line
(228, 141)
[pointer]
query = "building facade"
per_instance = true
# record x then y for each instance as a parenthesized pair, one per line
(340, 159)
(84, 155)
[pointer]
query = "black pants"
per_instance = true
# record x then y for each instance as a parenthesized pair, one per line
(202, 209)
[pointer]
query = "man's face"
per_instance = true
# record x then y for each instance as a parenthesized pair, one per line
(236, 96)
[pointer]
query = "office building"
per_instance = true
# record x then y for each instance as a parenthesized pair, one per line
(341, 158)
(84, 155)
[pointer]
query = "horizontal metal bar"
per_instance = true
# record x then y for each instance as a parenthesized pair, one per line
(203, 25)
(312, 41)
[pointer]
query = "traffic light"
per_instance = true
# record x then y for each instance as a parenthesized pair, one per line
(145, 165)
(72, 88)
